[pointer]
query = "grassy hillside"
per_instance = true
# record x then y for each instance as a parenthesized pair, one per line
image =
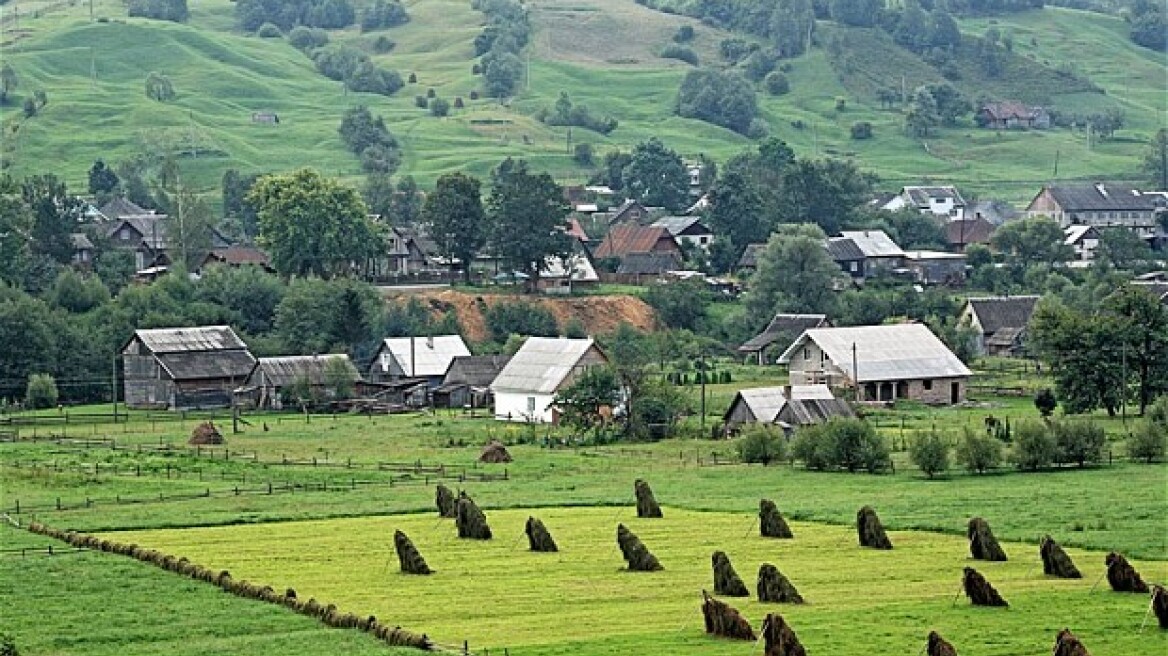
(603, 52)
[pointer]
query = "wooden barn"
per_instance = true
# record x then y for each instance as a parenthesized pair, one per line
(468, 381)
(272, 379)
(184, 368)
(789, 407)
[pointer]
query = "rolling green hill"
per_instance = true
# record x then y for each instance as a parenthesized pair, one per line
(603, 52)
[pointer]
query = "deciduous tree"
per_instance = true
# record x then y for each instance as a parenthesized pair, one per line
(528, 219)
(456, 218)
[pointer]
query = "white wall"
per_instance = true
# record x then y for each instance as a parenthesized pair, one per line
(517, 404)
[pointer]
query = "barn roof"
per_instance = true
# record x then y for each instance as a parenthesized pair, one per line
(1103, 196)
(873, 243)
(190, 340)
(998, 312)
(204, 365)
(750, 255)
(542, 364)
(476, 370)
(842, 249)
(682, 225)
(906, 351)
(116, 208)
(968, 231)
(788, 326)
(286, 370)
(804, 412)
(431, 356)
(649, 263)
(808, 404)
(763, 402)
(632, 238)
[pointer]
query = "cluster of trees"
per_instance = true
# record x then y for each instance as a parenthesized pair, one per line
(1149, 27)
(787, 24)
(159, 87)
(652, 173)
(169, 10)
(287, 14)
(504, 36)
(352, 66)
(842, 443)
(935, 105)
(381, 14)
(723, 98)
(577, 115)
(368, 138)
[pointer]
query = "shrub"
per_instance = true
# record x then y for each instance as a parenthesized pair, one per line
(761, 444)
(1034, 446)
(520, 318)
(8, 645)
(684, 34)
(1078, 442)
(30, 108)
(861, 130)
(1148, 443)
(41, 391)
(430, 93)
(476, 69)
(582, 154)
(812, 447)
(439, 107)
(413, 79)
(383, 44)
(421, 102)
(1045, 401)
(776, 83)
(474, 95)
(930, 453)
(269, 31)
(458, 104)
(841, 105)
(307, 38)
(978, 453)
(850, 444)
(682, 53)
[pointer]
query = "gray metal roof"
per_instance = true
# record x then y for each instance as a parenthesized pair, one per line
(476, 370)
(842, 249)
(807, 404)
(764, 402)
(1103, 196)
(199, 338)
(284, 371)
(873, 243)
(782, 326)
(997, 312)
(908, 351)
(423, 356)
(542, 364)
(678, 225)
(207, 365)
(922, 196)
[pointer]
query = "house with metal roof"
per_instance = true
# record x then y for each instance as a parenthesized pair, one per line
(939, 201)
(416, 357)
(886, 363)
(687, 230)
(880, 252)
(526, 388)
(184, 368)
(1000, 322)
(847, 255)
(624, 239)
(789, 406)
(1101, 205)
(782, 330)
(272, 379)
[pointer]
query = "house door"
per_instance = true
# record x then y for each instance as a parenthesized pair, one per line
(955, 393)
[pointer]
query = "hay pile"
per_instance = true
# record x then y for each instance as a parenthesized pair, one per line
(771, 522)
(204, 434)
(773, 587)
(646, 505)
(1160, 605)
(446, 501)
(1066, 644)
(471, 522)
(1122, 576)
(494, 451)
(723, 620)
(538, 537)
(982, 543)
(780, 638)
(726, 580)
(871, 530)
(1055, 561)
(938, 646)
(635, 552)
(411, 561)
(979, 590)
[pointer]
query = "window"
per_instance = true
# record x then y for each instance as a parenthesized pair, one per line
(853, 267)
(927, 384)
(531, 405)
(806, 353)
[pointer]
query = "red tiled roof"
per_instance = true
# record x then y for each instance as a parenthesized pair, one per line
(577, 230)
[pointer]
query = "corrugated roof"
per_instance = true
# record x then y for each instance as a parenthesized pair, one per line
(811, 393)
(1103, 196)
(842, 249)
(180, 340)
(997, 312)
(631, 238)
(207, 365)
(284, 371)
(923, 197)
(541, 365)
(678, 225)
(808, 404)
(764, 402)
(433, 354)
(476, 370)
(119, 207)
(895, 352)
(873, 243)
(782, 326)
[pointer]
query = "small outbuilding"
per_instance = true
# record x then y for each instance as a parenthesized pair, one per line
(788, 407)
(416, 357)
(1000, 322)
(321, 376)
(782, 329)
(468, 382)
(526, 387)
(184, 368)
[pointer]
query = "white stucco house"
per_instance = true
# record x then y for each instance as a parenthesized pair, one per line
(526, 388)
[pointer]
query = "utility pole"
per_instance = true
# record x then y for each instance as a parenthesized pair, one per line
(1056, 159)
(1123, 388)
(856, 372)
(702, 373)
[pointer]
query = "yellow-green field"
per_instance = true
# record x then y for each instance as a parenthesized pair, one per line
(498, 595)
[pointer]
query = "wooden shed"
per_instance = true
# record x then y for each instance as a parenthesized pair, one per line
(272, 378)
(184, 368)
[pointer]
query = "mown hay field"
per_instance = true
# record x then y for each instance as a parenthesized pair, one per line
(498, 595)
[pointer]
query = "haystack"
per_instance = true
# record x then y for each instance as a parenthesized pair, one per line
(635, 552)
(726, 581)
(938, 646)
(1160, 605)
(773, 587)
(494, 451)
(646, 505)
(1122, 576)
(1055, 561)
(411, 561)
(871, 530)
(982, 543)
(979, 590)
(471, 522)
(538, 537)
(780, 638)
(771, 522)
(446, 501)
(204, 434)
(724, 620)
(1066, 644)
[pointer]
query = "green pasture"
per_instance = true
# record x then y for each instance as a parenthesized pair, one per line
(497, 594)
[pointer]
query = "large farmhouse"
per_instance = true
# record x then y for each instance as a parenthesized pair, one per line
(526, 388)
(903, 361)
(416, 357)
(184, 368)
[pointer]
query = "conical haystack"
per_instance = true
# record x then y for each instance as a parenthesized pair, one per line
(723, 620)
(635, 552)
(979, 590)
(771, 522)
(646, 505)
(411, 561)
(1160, 605)
(982, 543)
(494, 451)
(938, 646)
(780, 638)
(726, 581)
(204, 434)
(446, 501)
(1122, 576)
(871, 530)
(1055, 561)
(538, 537)
(773, 587)
(1066, 644)
(471, 522)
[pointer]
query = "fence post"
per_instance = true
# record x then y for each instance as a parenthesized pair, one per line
(17, 506)
(58, 503)
(236, 490)
(269, 487)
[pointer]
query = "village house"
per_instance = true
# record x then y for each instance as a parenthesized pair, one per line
(629, 212)
(184, 368)
(272, 380)
(1101, 205)
(1000, 323)
(687, 230)
(526, 388)
(935, 267)
(880, 252)
(1011, 114)
(416, 357)
(1083, 240)
(576, 273)
(148, 236)
(648, 265)
(237, 255)
(624, 239)
(848, 256)
(788, 407)
(83, 251)
(962, 232)
(748, 262)
(781, 330)
(886, 363)
(942, 201)
(118, 208)
(468, 382)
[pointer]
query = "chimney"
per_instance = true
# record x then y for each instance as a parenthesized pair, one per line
(430, 342)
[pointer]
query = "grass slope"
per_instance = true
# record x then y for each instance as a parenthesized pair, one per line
(497, 594)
